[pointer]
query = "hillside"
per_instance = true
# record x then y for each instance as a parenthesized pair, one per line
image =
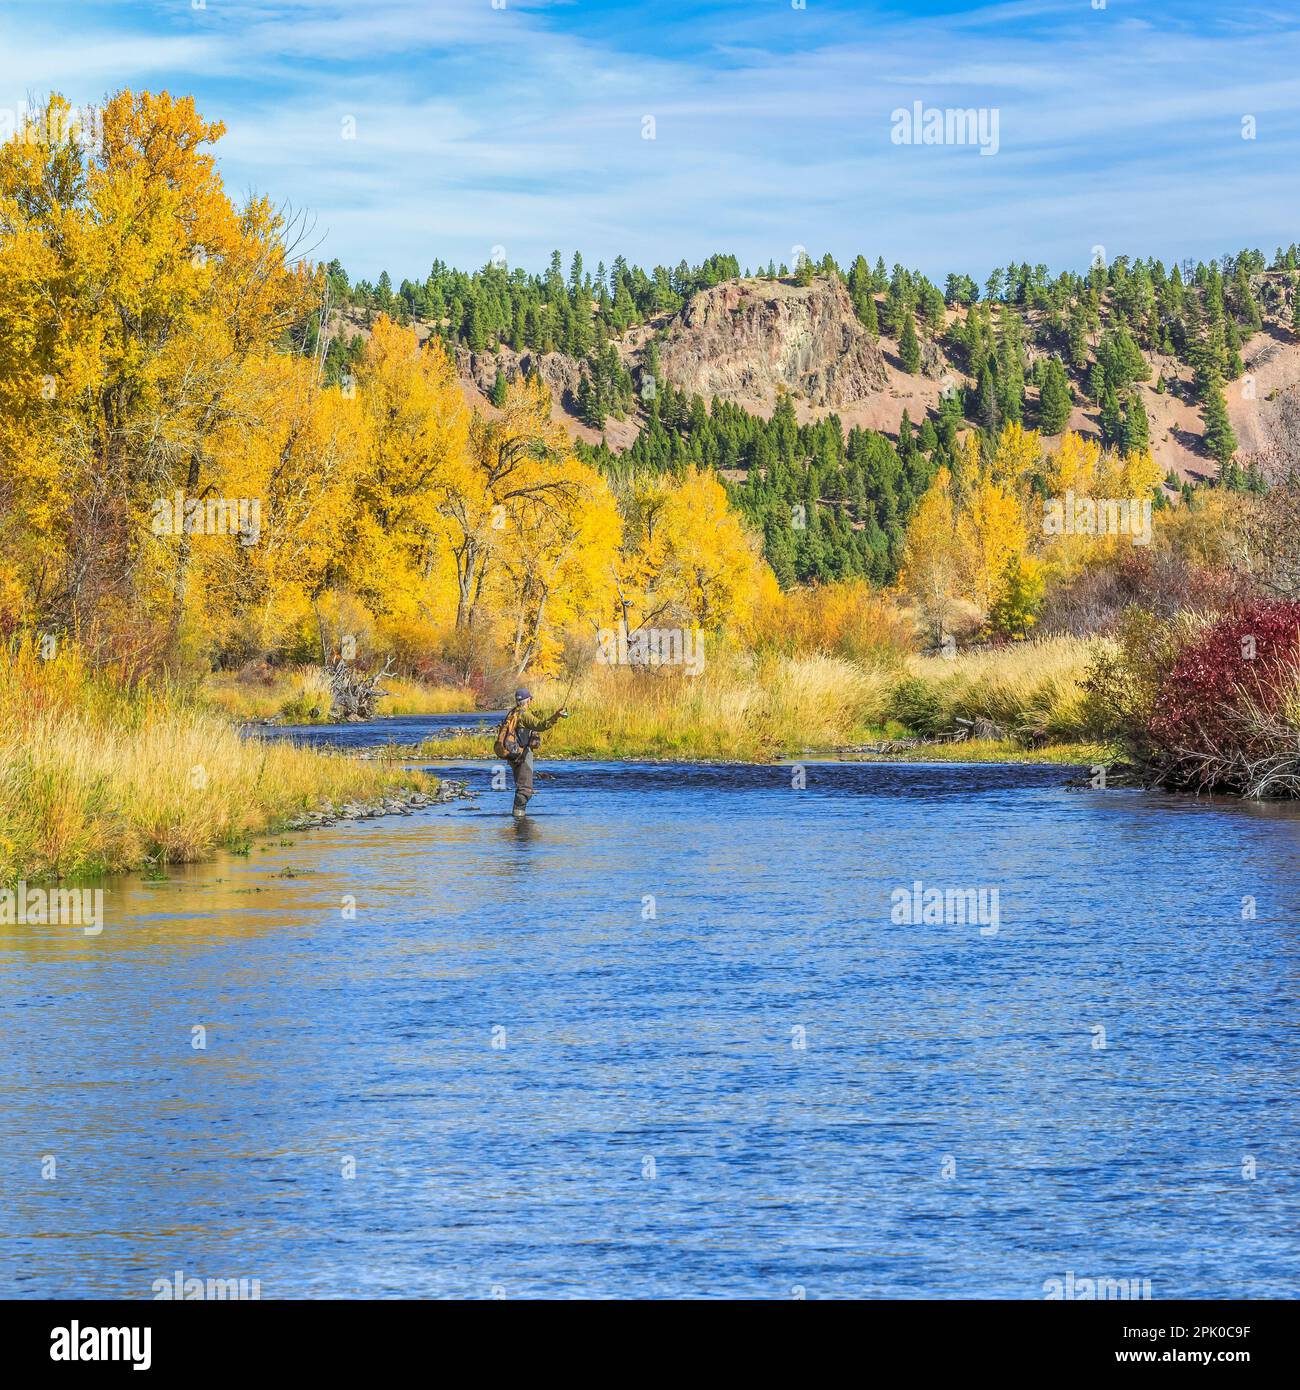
(751, 341)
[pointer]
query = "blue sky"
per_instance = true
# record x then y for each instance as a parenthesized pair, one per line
(522, 127)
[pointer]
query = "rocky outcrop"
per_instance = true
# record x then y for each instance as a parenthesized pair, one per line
(560, 372)
(747, 340)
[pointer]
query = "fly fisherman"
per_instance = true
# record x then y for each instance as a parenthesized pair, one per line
(518, 738)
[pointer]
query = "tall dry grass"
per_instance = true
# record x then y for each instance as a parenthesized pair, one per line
(415, 697)
(301, 695)
(95, 777)
(742, 706)
(1035, 688)
(754, 706)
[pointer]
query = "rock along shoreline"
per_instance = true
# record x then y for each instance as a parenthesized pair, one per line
(399, 803)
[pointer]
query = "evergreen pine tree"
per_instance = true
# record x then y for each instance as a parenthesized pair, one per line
(1055, 402)
(986, 400)
(590, 408)
(1219, 438)
(1137, 429)
(475, 333)
(866, 308)
(1112, 421)
(909, 349)
(1019, 599)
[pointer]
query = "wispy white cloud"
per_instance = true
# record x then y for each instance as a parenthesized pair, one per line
(523, 127)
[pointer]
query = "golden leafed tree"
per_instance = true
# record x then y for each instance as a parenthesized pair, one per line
(991, 530)
(554, 565)
(135, 296)
(688, 559)
(932, 556)
(516, 463)
(418, 429)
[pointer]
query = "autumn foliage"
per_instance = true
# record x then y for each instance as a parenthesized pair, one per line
(977, 554)
(1205, 702)
(1228, 692)
(154, 359)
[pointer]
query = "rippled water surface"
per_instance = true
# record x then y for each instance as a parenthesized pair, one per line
(404, 729)
(664, 1039)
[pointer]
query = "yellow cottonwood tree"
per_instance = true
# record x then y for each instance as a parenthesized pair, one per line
(417, 436)
(1081, 470)
(554, 564)
(519, 460)
(300, 465)
(135, 296)
(991, 530)
(932, 560)
(1074, 466)
(1018, 456)
(1140, 475)
(688, 560)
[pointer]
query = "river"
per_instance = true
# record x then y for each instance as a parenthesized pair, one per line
(668, 1037)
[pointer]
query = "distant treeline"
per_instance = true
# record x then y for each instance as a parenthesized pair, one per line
(1167, 310)
(1090, 333)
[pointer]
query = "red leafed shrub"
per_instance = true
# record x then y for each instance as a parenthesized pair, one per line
(1219, 707)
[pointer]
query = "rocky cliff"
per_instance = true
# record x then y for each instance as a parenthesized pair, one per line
(745, 339)
(560, 372)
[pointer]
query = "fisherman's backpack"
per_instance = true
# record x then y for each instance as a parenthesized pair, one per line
(505, 734)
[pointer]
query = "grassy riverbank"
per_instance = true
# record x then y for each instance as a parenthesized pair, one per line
(988, 750)
(96, 776)
(302, 696)
(757, 707)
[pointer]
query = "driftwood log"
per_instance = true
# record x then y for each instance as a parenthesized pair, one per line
(902, 745)
(354, 693)
(979, 727)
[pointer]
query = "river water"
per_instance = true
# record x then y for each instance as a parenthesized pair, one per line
(668, 1038)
